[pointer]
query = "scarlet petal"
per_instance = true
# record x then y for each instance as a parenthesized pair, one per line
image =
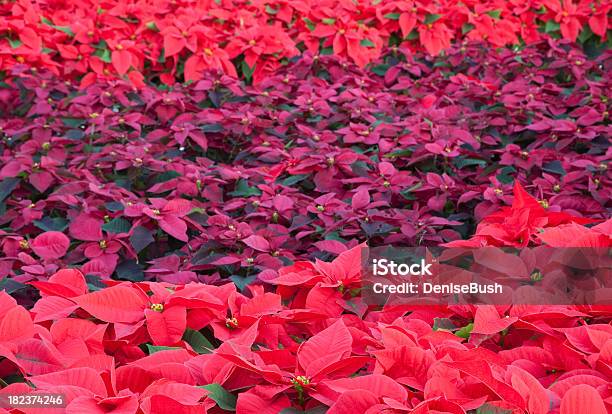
(353, 402)
(86, 228)
(582, 399)
(114, 304)
(173, 44)
(407, 21)
(122, 60)
(257, 243)
(488, 321)
(166, 328)
(336, 337)
(178, 207)
(16, 324)
(175, 227)
(50, 245)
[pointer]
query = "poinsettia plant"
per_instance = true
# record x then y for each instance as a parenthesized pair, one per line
(153, 41)
(186, 190)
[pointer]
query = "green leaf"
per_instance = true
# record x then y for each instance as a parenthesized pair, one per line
(505, 176)
(309, 23)
(104, 55)
(432, 18)
(491, 409)
(465, 331)
(406, 192)
(392, 16)
(494, 13)
(141, 237)
(551, 26)
(198, 342)
(244, 190)
(270, 10)
(328, 20)
(406, 152)
(242, 282)
(51, 224)
(72, 122)
(152, 26)
(166, 176)
(156, 348)
(294, 179)
(461, 162)
(367, 43)
(113, 206)
(554, 167)
(224, 399)
(380, 70)
(212, 128)
(467, 27)
(117, 225)
(130, 270)
(585, 34)
(15, 43)
(74, 134)
(413, 35)
(7, 186)
(94, 283)
(65, 29)
(10, 286)
(444, 324)
(246, 70)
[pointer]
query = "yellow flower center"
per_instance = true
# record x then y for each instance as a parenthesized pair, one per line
(157, 307)
(300, 381)
(536, 276)
(102, 244)
(24, 244)
(231, 323)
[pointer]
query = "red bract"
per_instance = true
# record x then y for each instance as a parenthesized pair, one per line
(197, 247)
(50, 245)
(519, 225)
(137, 43)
